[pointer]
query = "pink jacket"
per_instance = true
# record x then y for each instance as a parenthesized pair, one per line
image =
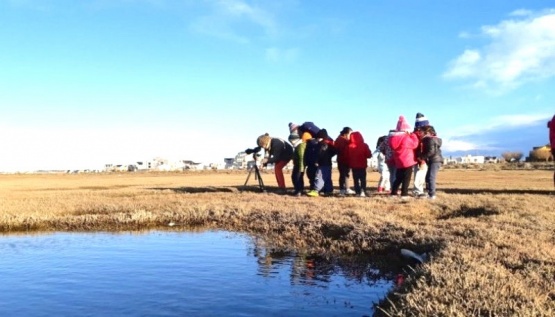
(551, 125)
(403, 146)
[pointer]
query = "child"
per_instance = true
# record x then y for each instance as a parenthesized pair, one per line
(326, 151)
(420, 169)
(384, 186)
(342, 146)
(359, 153)
(311, 164)
(297, 176)
(432, 155)
(403, 146)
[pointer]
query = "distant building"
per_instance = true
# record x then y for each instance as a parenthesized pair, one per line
(469, 159)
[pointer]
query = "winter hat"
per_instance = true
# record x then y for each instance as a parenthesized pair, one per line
(292, 127)
(403, 125)
(294, 137)
(421, 121)
(306, 136)
(264, 140)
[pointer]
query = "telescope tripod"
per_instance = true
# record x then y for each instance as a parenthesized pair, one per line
(257, 176)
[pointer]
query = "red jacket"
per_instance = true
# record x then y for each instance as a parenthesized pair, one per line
(403, 146)
(551, 125)
(358, 151)
(342, 145)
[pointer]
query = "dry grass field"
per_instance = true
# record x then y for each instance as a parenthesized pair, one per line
(491, 233)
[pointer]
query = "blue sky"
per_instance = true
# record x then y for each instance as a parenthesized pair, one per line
(84, 83)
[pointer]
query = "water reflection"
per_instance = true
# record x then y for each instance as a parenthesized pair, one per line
(157, 273)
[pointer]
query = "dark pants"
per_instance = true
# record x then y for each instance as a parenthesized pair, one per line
(297, 178)
(402, 179)
(431, 177)
(359, 178)
(311, 174)
(343, 175)
(326, 177)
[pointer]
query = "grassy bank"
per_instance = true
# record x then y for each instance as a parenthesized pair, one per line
(491, 233)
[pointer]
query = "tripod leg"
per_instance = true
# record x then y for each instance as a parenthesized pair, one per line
(248, 176)
(260, 181)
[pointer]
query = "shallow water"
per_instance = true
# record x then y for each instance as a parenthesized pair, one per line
(157, 273)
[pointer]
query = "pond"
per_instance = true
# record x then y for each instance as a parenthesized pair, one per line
(177, 273)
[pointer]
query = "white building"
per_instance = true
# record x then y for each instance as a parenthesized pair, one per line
(469, 159)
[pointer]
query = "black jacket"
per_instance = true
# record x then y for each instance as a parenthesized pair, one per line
(280, 151)
(431, 149)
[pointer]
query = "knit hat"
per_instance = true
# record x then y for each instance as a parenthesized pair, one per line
(403, 125)
(306, 136)
(293, 137)
(292, 127)
(421, 121)
(263, 140)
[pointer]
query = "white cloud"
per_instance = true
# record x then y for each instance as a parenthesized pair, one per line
(226, 18)
(493, 134)
(276, 55)
(501, 122)
(453, 145)
(521, 50)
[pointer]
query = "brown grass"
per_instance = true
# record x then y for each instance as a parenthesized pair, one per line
(491, 232)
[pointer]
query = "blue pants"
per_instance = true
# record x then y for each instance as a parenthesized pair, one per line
(327, 186)
(314, 177)
(431, 176)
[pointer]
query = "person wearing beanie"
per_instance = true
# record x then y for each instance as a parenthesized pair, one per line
(297, 176)
(326, 151)
(551, 126)
(342, 145)
(359, 153)
(403, 147)
(277, 152)
(420, 170)
(421, 121)
(293, 132)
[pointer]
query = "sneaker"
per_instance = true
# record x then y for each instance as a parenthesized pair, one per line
(362, 194)
(405, 198)
(350, 192)
(432, 197)
(312, 193)
(380, 189)
(342, 192)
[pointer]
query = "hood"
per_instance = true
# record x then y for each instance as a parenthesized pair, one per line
(396, 140)
(356, 138)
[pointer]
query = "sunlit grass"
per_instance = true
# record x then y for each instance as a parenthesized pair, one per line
(491, 233)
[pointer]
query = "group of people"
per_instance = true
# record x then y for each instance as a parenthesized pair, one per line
(400, 154)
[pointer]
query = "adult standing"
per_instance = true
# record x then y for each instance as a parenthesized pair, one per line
(551, 126)
(431, 153)
(403, 146)
(342, 146)
(277, 152)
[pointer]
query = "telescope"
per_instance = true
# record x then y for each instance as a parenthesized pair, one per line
(255, 169)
